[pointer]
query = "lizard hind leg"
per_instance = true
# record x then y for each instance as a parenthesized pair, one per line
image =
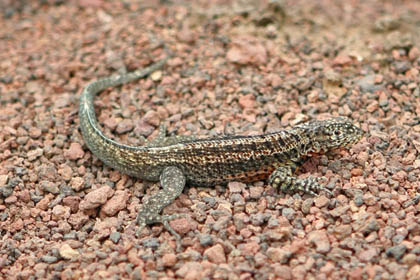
(173, 182)
(282, 178)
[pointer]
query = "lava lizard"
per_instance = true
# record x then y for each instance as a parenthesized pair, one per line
(212, 161)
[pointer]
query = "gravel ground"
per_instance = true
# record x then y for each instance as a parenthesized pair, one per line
(242, 67)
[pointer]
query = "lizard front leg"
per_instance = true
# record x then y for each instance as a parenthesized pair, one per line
(283, 179)
(172, 180)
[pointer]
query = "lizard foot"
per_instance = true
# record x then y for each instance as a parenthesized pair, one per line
(282, 179)
(143, 220)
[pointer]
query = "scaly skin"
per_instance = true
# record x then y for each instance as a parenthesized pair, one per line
(207, 162)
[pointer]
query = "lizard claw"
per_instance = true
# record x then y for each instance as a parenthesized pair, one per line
(141, 223)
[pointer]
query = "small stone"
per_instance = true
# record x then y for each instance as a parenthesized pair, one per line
(358, 200)
(33, 86)
(246, 233)
(369, 226)
(246, 51)
(289, 213)
(342, 231)
(339, 211)
(342, 60)
(49, 187)
(182, 225)
(34, 154)
(111, 123)
(143, 129)
(96, 198)
(77, 183)
(215, 254)
(279, 255)
(3, 180)
(151, 243)
(190, 270)
(279, 235)
(400, 176)
(49, 259)
(124, 126)
(60, 212)
(210, 201)
(275, 80)
(320, 240)
(260, 259)
(156, 76)
(414, 53)
(414, 272)
(284, 272)
(74, 152)
(372, 107)
(72, 202)
(236, 187)
(367, 84)
(306, 205)
(319, 224)
(35, 132)
(152, 118)
(11, 199)
(186, 35)
(321, 201)
(169, 260)
(256, 192)
(17, 225)
(43, 203)
(383, 99)
(66, 172)
(68, 253)
(247, 101)
(24, 196)
(105, 227)
(401, 66)
(206, 240)
(115, 236)
(313, 96)
(357, 172)
(117, 203)
(386, 23)
(396, 252)
(368, 255)
(410, 259)
(78, 219)
(250, 248)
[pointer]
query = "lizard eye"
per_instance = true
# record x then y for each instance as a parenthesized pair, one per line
(337, 133)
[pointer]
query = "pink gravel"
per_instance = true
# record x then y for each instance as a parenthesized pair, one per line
(242, 67)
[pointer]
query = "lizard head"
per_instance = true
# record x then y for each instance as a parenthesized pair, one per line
(330, 134)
